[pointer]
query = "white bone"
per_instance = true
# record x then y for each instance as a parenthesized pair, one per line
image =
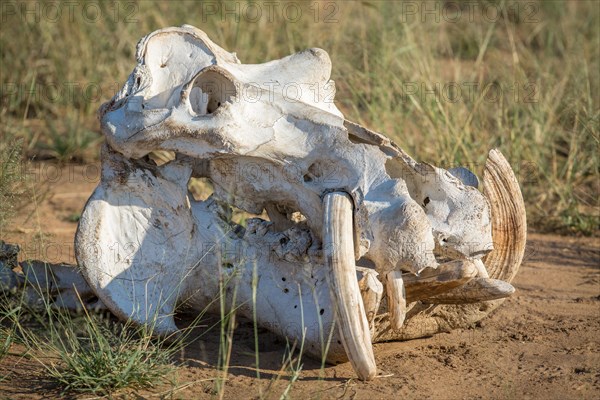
(475, 291)
(145, 246)
(432, 282)
(371, 290)
(481, 270)
(396, 297)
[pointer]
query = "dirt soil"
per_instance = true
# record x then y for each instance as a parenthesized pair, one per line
(542, 343)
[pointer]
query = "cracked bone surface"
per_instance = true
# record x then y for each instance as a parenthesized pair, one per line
(269, 137)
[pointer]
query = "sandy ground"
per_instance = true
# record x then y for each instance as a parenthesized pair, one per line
(543, 343)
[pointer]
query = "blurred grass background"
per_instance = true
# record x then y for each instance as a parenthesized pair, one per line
(446, 80)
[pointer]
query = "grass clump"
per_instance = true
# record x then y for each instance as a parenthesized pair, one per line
(10, 312)
(100, 361)
(84, 352)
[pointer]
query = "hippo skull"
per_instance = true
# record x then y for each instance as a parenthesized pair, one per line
(270, 139)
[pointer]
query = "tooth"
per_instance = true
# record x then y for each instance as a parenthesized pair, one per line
(396, 296)
(432, 282)
(371, 290)
(481, 270)
(343, 285)
(476, 290)
(509, 221)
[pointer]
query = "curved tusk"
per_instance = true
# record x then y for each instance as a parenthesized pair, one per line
(343, 285)
(509, 223)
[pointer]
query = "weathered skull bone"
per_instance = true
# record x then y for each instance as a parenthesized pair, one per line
(269, 138)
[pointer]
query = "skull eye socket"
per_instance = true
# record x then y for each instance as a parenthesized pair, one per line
(210, 89)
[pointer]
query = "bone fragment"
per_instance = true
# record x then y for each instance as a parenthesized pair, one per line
(55, 278)
(62, 285)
